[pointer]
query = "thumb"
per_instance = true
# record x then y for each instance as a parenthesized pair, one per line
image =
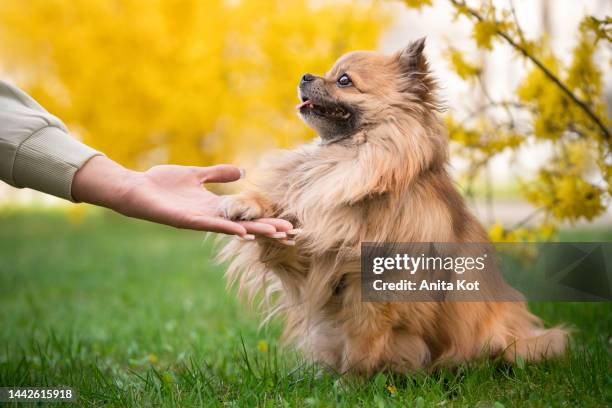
(222, 173)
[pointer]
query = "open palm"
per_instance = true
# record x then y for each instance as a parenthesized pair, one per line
(168, 194)
(175, 195)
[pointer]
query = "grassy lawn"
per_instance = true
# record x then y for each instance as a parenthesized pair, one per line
(133, 314)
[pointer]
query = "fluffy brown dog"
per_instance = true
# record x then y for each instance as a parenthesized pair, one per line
(377, 173)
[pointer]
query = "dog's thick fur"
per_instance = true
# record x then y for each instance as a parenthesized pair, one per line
(377, 176)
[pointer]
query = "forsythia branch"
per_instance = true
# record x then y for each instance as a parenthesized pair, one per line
(583, 105)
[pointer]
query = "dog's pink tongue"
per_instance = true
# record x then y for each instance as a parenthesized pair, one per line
(305, 103)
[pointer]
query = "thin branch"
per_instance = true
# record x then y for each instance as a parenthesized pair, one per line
(472, 173)
(516, 21)
(527, 219)
(583, 105)
(492, 105)
(485, 92)
(604, 27)
(489, 194)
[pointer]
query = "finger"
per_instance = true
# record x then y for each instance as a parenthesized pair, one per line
(260, 228)
(222, 173)
(279, 225)
(213, 224)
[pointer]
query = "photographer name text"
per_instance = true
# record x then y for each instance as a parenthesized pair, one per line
(425, 285)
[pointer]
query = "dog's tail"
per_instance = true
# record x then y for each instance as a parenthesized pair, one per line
(539, 344)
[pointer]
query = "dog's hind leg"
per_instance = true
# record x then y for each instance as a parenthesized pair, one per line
(542, 344)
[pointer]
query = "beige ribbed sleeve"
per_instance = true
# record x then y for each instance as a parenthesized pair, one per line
(36, 150)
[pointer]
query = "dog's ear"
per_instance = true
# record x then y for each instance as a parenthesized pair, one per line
(411, 58)
(415, 77)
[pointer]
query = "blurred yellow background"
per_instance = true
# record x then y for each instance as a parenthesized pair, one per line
(182, 81)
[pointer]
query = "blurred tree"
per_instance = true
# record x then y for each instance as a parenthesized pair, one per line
(562, 105)
(187, 81)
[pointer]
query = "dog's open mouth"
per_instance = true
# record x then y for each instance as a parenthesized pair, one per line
(332, 111)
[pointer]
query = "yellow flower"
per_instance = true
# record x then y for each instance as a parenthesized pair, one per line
(262, 346)
(418, 4)
(483, 33)
(152, 358)
(392, 389)
(577, 198)
(463, 68)
(497, 232)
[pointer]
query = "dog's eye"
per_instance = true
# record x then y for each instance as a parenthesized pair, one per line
(344, 80)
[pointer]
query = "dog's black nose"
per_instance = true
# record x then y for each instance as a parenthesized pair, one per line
(308, 78)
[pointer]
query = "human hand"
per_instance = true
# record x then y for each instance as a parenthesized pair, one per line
(168, 194)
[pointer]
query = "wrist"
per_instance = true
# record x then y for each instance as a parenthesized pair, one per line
(103, 182)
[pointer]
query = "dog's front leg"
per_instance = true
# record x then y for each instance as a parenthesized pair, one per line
(254, 205)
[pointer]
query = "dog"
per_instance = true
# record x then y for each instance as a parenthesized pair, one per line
(375, 173)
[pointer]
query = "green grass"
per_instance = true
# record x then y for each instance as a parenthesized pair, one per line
(133, 314)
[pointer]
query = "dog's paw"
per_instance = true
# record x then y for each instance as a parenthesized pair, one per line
(240, 208)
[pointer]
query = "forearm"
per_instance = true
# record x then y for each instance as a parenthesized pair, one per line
(103, 182)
